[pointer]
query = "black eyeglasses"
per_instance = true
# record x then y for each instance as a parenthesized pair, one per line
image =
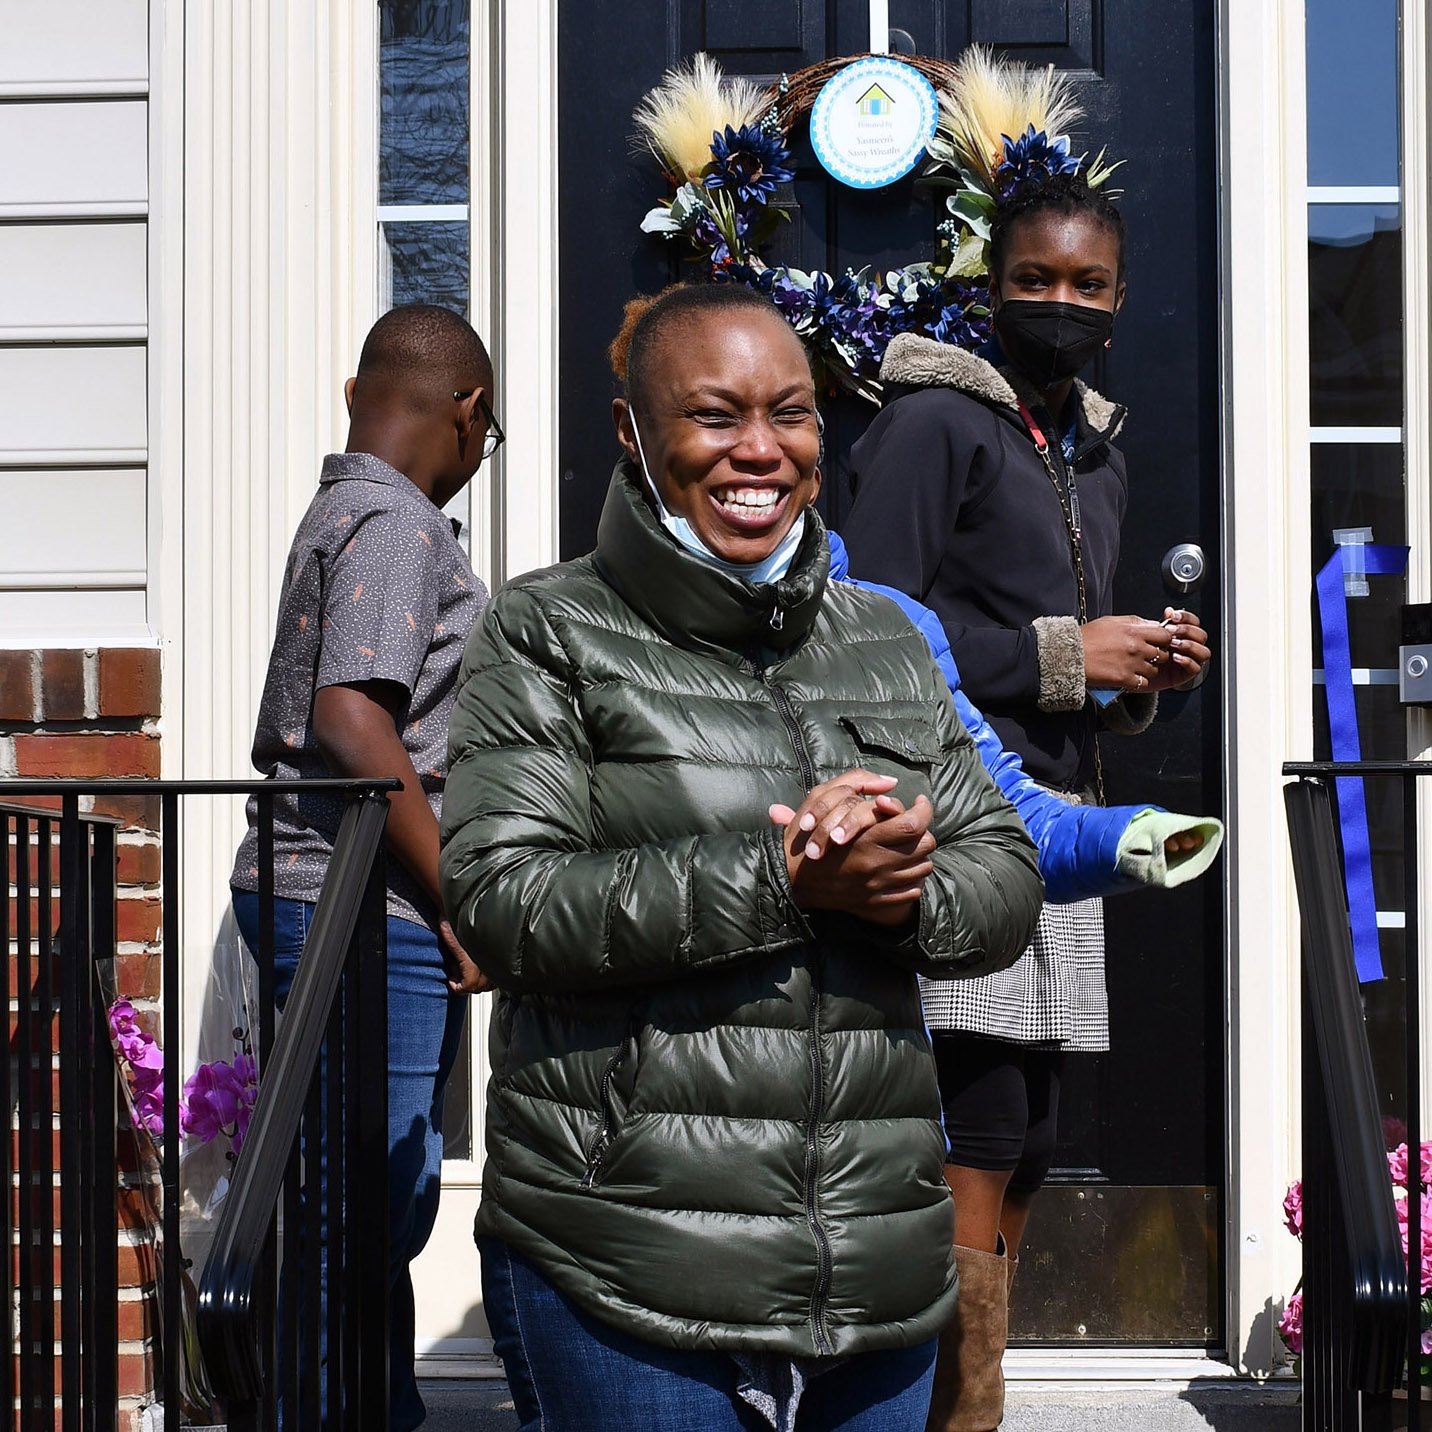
(495, 436)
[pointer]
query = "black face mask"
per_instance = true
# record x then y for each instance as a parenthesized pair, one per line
(1049, 342)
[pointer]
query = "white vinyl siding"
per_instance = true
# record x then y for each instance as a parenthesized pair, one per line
(74, 399)
(81, 280)
(74, 44)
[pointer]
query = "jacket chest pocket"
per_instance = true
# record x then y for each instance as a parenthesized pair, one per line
(905, 740)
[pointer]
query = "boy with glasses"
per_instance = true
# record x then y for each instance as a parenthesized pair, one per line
(378, 598)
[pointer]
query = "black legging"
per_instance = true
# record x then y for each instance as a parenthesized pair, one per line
(1001, 1105)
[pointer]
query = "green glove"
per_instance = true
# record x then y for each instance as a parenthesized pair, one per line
(1143, 855)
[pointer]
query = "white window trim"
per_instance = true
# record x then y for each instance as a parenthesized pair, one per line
(1267, 578)
(1417, 422)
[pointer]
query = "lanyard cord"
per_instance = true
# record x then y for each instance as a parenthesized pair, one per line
(1068, 495)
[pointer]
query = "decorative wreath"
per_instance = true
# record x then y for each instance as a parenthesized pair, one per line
(722, 186)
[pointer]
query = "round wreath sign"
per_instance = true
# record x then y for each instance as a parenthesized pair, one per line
(722, 144)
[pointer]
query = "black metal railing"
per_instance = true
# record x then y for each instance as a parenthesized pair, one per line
(304, 1224)
(1361, 1294)
(49, 973)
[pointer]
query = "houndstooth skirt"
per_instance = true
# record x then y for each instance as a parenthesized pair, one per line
(1053, 995)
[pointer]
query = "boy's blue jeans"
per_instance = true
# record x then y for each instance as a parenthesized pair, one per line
(424, 1029)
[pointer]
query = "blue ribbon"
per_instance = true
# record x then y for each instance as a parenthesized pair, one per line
(1342, 723)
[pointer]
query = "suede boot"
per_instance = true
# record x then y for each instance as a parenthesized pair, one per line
(968, 1395)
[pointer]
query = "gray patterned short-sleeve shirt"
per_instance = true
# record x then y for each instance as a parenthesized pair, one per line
(377, 588)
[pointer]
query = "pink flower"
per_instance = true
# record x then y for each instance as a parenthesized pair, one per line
(1397, 1165)
(140, 1050)
(1293, 1208)
(1400, 1202)
(135, 1043)
(149, 1110)
(219, 1099)
(1290, 1325)
(1394, 1132)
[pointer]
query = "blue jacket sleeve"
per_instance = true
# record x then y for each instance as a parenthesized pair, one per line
(1078, 845)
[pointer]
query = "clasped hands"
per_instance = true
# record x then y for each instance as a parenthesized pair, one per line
(852, 846)
(1136, 654)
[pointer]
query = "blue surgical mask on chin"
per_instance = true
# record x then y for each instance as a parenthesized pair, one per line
(769, 569)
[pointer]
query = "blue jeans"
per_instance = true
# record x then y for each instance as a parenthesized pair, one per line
(570, 1373)
(424, 1030)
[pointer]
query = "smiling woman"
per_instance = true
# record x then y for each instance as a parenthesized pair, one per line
(708, 816)
(731, 444)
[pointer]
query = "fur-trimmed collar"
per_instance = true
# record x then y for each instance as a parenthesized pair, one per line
(920, 362)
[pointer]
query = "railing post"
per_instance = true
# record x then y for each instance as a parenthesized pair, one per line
(1355, 1288)
(42, 1073)
(102, 1221)
(1412, 992)
(9, 828)
(369, 1103)
(77, 1176)
(25, 1102)
(170, 1264)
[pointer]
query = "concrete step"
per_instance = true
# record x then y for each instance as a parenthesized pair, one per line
(1226, 1406)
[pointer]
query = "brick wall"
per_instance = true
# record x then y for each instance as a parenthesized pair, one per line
(69, 712)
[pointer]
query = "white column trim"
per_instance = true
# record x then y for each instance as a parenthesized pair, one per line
(279, 268)
(523, 82)
(165, 457)
(1267, 582)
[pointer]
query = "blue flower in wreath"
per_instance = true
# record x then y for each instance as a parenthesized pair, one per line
(749, 163)
(955, 324)
(793, 301)
(1033, 156)
(708, 233)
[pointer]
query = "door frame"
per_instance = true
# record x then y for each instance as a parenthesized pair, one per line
(513, 187)
(1268, 576)
(515, 299)
(1265, 512)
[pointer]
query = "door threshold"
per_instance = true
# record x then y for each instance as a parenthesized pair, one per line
(457, 1359)
(1123, 1365)
(1032, 1368)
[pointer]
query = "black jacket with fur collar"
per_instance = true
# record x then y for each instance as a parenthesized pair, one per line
(954, 506)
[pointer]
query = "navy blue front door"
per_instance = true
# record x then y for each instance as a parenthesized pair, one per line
(1143, 1132)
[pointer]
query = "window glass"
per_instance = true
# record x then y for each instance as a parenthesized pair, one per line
(424, 263)
(424, 249)
(1352, 92)
(1355, 318)
(1356, 344)
(424, 80)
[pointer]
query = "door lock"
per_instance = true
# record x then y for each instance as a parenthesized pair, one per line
(1184, 567)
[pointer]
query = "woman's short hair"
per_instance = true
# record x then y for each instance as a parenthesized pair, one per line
(648, 321)
(1066, 194)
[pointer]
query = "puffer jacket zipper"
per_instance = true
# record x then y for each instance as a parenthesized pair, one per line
(597, 1149)
(786, 711)
(824, 1262)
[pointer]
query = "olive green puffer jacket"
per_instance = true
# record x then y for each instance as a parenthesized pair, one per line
(713, 1118)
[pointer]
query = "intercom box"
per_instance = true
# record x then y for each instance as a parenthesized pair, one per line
(1414, 656)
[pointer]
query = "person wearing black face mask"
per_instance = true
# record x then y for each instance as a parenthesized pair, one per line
(989, 489)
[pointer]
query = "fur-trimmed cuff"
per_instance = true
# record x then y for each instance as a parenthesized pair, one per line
(1132, 714)
(1061, 663)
